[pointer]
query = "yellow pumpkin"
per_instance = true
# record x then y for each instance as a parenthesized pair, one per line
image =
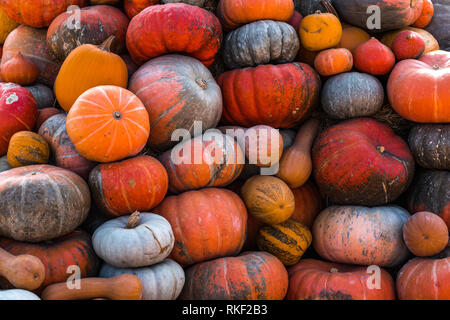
(6, 26)
(431, 44)
(86, 67)
(319, 31)
(27, 148)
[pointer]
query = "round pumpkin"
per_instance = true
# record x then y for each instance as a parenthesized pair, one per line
(308, 203)
(351, 95)
(431, 44)
(19, 70)
(133, 7)
(253, 96)
(313, 279)
(43, 95)
(374, 57)
(260, 42)
(438, 25)
(207, 224)
(108, 123)
(93, 26)
(419, 90)
(319, 31)
(6, 26)
(174, 27)
(176, 91)
(27, 148)
(361, 235)
(333, 61)
(361, 162)
(250, 276)
(426, 15)
(408, 45)
(352, 37)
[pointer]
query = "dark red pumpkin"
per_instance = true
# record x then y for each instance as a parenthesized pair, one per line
(280, 96)
(133, 7)
(374, 57)
(174, 27)
(408, 44)
(361, 162)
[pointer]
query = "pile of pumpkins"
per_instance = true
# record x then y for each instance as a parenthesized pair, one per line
(98, 200)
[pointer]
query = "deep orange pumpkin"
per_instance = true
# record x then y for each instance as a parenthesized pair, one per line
(19, 70)
(133, 7)
(426, 15)
(308, 203)
(352, 37)
(333, 61)
(374, 57)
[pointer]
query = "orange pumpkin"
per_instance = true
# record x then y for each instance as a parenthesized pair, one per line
(133, 7)
(6, 26)
(426, 15)
(27, 148)
(108, 123)
(352, 37)
(19, 70)
(333, 61)
(308, 203)
(408, 45)
(320, 31)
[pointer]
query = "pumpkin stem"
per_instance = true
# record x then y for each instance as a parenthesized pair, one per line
(117, 115)
(329, 7)
(381, 149)
(106, 45)
(202, 83)
(133, 220)
(334, 270)
(436, 67)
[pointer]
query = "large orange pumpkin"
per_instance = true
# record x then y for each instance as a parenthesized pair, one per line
(108, 123)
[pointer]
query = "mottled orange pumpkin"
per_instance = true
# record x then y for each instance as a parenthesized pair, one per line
(426, 15)
(333, 61)
(27, 148)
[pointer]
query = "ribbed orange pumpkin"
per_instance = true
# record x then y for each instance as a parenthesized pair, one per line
(333, 61)
(426, 15)
(133, 7)
(19, 70)
(27, 148)
(108, 123)
(207, 224)
(308, 203)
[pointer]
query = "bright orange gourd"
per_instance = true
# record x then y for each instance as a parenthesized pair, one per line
(333, 61)
(27, 148)
(320, 31)
(19, 70)
(426, 15)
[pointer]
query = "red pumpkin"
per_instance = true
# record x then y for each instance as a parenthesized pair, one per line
(408, 45)
(174, 27)
(18, 112)
(419, 90)
(426, 15)
(250, 276)
(136, 184)
(207, 224)
(312, 279)
(19, 70)
(295, 20)
(279, 96)
(133, 7)
(374, 57)
(43, 115)
(308, 203)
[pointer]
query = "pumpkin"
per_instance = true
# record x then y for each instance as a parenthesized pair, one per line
(313, 279)
(6, 26)
(351, 95)
(253, 226)
(295, 20)
(394, 14)
(59, 255)
(131, 66)
(280, 96)
(121, 287)
(374, 57)
(207, 224)
(431, 192)
(64, 154)
(308, 203)
(174, 27)
(425, 234)
(93, 26)
(162, 281)
(123, 187)
(426, 15)
(98, 2)
(43, 95)
(86, 67)
(176, 91)
(4, 164)
(430, 145)
(22, 271)
(30, 212)
(425, 278)
(26, 148)
(333, 61)
(108, 123)
(44, 115)
(352, 37)
(361, 235)
(320, 31)
(133, 7)
(418, 90)
(295, 164)
(431, 44)
(94, 220)
(260, 42)
(408, 45)
(268, 199)
(18, 112)
(138, 240)
(287, 241)
(19, 70)
(204, 161)
(235, 13)
(438, 25)
(31, 43)
(263, 145)
(361, 162)
(250, 276)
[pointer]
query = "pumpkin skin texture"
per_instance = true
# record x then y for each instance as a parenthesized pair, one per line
(378, 171)
(260, 42)
(17, 294)
(250, 276)
(174, 27)
(394, 14)
(162, 281)
(235, 13)
(426, 15)
(431, 192)
(4, 164)
(74, 249)
(308, 203)
(6, 26)
(352, 37)
(86, 67)
(221, 210)
(96, 24)
(108, 123)
(313, 279)
(351, 95)
(361, 235)
(29, 212)
(18, 112)
(320, 31)
(136, 184)
(333, 61)
(134, 7)
(438, 25)
(408, 45)
(430, 145)
(419, 90)
(281, 95)
(44, 115)
(425, 278)
(27, 148)
(19, 70)
(43, 95)
(431, 44)
(374, 58)
(425, 234)
(176, 91)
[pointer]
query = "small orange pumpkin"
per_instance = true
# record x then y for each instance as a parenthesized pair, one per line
(333, 61)
(27, 148)
(19, 70)
(320, 31)
(352, 37)
(431, 44)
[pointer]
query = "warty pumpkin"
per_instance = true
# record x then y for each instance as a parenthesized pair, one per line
(19, 70)
(374, 57)
(333, 61)
(425, 16)
(431, 44)
(108, 123)
(6, 26)
(308, 203)
(320, 31)
(27, 148)
(86, 67)
(408, 45)
(133, 7)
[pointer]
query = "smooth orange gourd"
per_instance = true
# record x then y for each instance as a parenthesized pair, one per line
(333, 61)
(19, 70)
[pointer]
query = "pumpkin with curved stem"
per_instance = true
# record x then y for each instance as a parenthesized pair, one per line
(426, 15)
(320, 31)
(333, 61)
(308, 203)
(27, 148)
(134, 7)
(408, 45)
(374, 57)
